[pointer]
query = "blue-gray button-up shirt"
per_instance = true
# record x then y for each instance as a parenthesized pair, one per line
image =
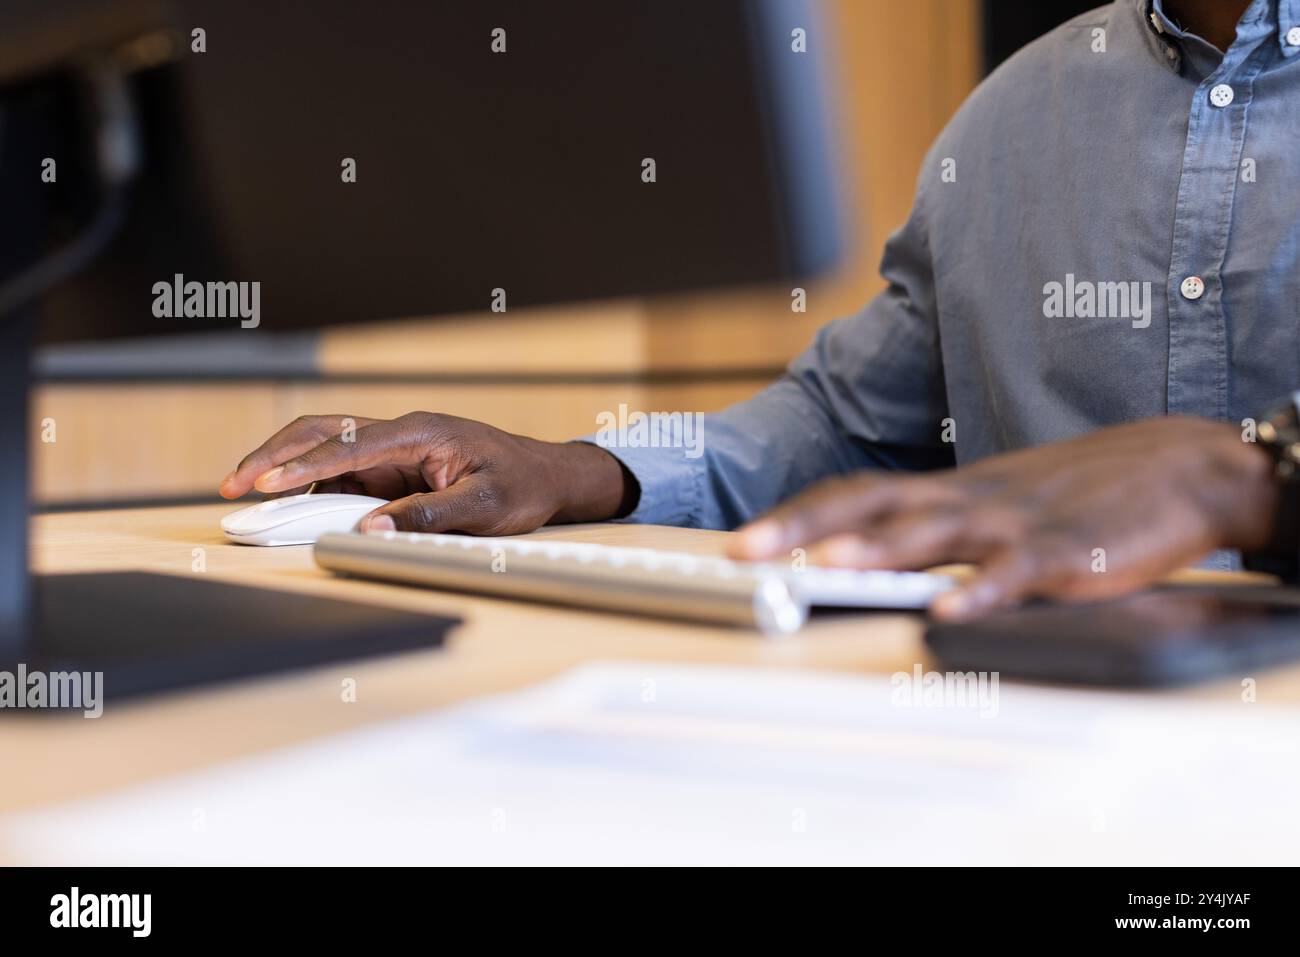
(1108, 229)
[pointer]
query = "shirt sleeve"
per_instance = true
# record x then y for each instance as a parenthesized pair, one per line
(868, 393)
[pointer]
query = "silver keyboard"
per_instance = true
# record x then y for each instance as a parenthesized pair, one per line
(772, 597)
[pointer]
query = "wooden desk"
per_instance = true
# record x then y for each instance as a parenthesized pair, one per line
(502, 645)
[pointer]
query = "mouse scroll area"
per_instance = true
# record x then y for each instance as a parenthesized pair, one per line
(297, 519)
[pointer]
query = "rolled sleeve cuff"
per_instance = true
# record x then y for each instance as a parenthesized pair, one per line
(672, 485)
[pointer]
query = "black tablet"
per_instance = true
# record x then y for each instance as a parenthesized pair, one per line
(1171, 635)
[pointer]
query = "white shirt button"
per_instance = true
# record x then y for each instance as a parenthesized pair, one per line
(1293, 37)
(1221, 95)
(1193, 287)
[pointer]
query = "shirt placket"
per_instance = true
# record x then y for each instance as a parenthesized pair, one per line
(1216, 136)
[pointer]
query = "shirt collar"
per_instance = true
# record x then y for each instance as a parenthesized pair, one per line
(1279, 17)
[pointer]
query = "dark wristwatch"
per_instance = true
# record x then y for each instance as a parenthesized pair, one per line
(1278, 434)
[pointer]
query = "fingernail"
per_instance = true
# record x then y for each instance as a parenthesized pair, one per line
(269, 478)
(380, 523)
(761, 538)
(852, 552)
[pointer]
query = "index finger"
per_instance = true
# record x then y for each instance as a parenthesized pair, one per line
(301, 435)
(850, 503)
(386, 442)
(837, 505)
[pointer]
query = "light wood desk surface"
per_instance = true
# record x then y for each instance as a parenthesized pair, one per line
(501, 645)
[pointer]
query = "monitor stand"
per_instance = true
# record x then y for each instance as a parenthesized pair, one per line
(145, 632)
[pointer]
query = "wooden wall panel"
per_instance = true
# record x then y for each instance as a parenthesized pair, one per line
(141, 441)
(607, 337)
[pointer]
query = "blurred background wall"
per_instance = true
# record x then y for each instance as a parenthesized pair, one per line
(898, 72)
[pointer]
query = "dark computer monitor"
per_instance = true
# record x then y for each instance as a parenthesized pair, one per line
(477, 168)
(573, 149)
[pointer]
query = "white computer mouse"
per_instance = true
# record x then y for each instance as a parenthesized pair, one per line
(297, 519)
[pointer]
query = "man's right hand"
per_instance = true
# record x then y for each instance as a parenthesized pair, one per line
(443, 473)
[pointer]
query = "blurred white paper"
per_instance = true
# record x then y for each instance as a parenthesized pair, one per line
(654, 764)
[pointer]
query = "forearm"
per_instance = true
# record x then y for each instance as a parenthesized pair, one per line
(749, 457)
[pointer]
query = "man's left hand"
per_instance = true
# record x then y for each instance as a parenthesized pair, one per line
(1094, 517)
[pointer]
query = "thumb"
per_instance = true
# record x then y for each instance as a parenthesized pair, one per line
(466, 506)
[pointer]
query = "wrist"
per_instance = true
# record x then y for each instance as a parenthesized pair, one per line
(591, 484)
(1253, 494)
(1278, 439)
